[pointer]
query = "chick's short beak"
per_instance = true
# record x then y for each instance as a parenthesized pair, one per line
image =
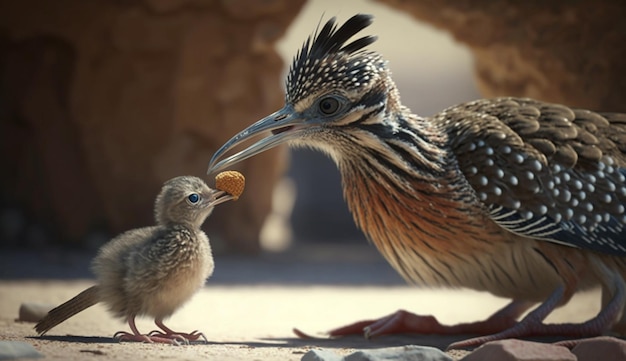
(218, 197)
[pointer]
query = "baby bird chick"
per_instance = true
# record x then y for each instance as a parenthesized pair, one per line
(153, 271)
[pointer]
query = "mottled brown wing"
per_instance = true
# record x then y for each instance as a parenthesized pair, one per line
(545, 170)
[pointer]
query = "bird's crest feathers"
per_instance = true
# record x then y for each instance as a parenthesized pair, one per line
(326, 55)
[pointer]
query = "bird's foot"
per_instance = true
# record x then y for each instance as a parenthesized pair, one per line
(397, 323)
(532, 327)
(180, 336)
(127, 336)
(501, 325)
(403, 322)
(400, 322)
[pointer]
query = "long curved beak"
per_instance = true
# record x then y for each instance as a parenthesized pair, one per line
(284, 125)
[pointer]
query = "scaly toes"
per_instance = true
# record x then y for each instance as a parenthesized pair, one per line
(182, 337)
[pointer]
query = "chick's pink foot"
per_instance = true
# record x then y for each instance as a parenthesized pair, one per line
(179, 336)
(168, 336)
(136, 336)
(131, 337)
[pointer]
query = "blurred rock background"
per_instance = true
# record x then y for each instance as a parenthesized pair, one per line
(103, 100)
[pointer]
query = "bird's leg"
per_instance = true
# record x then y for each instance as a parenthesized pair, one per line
(171, 334)
(406, 322)
(136, 336)
(532, 324)
(614, 283)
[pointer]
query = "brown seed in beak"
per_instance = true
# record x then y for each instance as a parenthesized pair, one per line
(231, 182)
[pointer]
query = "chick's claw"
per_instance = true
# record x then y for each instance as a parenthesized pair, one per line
(181, 336)
(126, 336)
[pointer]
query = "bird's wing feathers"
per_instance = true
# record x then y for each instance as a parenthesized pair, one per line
(543, 170)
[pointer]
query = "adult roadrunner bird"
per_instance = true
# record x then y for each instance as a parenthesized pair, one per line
(155, 270)
(517, 197)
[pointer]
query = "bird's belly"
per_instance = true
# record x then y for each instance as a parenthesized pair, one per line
(178, 287)
(517, 268)
(433, 240)
(174, 293)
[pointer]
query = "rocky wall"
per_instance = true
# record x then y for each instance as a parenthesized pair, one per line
(101, 101)
(564, 51)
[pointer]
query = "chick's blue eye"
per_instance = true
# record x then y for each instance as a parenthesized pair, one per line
(193, 198)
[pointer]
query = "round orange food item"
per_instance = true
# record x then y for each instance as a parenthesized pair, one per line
(231, 182)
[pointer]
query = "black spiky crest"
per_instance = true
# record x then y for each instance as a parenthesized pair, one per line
(327, 60)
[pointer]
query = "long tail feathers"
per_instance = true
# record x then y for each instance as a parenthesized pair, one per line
(83, 300)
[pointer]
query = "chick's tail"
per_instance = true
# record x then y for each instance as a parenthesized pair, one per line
(83, 300)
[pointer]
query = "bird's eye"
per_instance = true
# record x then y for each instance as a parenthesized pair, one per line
(193, 198)
(329, 105)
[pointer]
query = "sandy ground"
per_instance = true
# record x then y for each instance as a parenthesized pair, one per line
(248, 310)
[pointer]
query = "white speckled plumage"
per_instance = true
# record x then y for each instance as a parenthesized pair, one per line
(518, 197)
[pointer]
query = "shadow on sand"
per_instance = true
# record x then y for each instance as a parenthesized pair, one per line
(356, 342)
